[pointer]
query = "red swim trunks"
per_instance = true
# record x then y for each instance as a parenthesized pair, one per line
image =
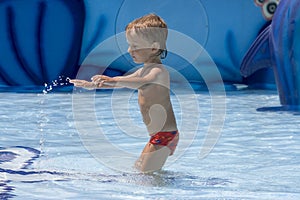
(169, 139)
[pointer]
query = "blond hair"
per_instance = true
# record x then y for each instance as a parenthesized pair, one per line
(151, 28)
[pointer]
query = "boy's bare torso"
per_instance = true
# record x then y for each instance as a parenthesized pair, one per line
(154, 101)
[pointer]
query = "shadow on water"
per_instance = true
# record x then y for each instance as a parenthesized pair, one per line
(6, 190)
(295, 110)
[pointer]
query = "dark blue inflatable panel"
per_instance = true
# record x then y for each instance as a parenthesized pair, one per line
(259, 55)
(278, 47)
(40, 40)
(257, 63)
(285, 34)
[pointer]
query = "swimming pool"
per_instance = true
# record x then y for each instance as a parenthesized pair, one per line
(43, 155)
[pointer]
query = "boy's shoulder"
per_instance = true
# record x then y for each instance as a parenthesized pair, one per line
(158, 66)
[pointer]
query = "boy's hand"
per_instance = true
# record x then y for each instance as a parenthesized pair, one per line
(84, 84)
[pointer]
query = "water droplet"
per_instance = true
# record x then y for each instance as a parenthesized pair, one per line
(61, 81)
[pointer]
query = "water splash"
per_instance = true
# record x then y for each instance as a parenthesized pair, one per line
(42, 122)
(57, 83)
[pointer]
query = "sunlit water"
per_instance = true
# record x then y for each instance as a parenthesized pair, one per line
(43, 155)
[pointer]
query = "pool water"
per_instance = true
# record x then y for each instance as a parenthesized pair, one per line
(44, 155)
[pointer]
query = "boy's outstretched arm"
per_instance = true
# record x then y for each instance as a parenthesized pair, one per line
(133, 81)
(83, 83)
(90, 85)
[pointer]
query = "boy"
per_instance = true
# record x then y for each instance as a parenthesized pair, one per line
(146, 37)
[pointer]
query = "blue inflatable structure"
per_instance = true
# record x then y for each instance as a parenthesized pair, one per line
(225, 38)
(39, 40)
(278, 47)
(42, 40)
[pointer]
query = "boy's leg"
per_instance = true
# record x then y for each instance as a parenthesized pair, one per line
(152, 158)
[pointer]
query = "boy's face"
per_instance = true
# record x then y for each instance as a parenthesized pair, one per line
(140, 49)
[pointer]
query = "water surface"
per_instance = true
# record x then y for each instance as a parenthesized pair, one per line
(43, 156)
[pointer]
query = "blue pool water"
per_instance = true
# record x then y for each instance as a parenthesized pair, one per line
(44, 154)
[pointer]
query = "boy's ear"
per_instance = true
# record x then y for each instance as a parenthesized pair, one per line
(155, 46)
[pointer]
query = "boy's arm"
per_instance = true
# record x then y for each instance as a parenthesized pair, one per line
(133, 81)
(98, 82)
(90, 85)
